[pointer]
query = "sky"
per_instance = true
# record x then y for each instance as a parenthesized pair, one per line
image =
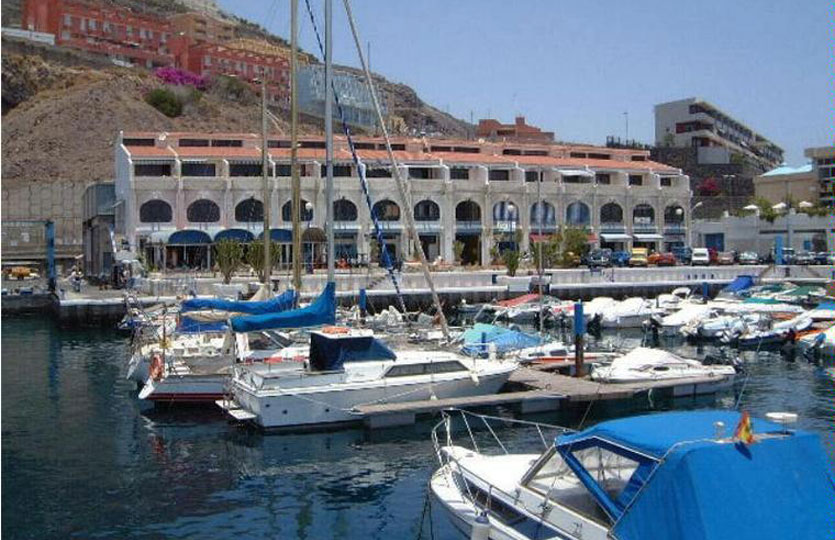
(575, 67)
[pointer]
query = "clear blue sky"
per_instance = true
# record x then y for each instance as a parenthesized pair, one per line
(575, 67)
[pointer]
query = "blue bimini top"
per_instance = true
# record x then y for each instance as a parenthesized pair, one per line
(688, 485)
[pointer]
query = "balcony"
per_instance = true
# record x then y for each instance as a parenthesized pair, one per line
(468, 226)
(428, 226)
(505, 225)
(612, 227)
(674, 229)
(646, 228)
(346, 226)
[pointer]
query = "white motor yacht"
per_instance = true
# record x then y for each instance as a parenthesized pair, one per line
(350, 368)
(629, 313)
(644, 364)
(683, 475)
(686, 313)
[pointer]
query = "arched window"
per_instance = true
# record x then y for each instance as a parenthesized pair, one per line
(155, 211)
(249, 210)
(467, 211)
(547, 215)
(674, 215)
(578, 214)
(387, 210)
(203, 211)
(611, 213)
(427, 211)
(287, 213)
(643, 214)
(505, 211)
(344, 210)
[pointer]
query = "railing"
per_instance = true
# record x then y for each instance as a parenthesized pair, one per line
(674, 228)
(468, 225)
(644, 227)
(612, 227)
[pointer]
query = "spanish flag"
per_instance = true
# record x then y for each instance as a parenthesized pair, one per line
(744, 432)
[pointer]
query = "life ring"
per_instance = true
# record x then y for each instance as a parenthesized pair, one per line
(335, 330)
(156, 367)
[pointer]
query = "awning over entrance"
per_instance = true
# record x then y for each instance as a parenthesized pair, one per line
(161, 236)
(241, 235)
(648, 237)
(282, 236)
(575, 172)
(615, 237)
(189, 237)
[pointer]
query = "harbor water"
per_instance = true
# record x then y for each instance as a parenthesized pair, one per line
(83, 458)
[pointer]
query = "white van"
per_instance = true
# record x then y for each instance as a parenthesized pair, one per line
(701, 257)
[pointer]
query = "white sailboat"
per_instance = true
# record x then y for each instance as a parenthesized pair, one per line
(643, 365)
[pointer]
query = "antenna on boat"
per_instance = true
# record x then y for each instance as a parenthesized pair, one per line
(265, 173)
(402, 187)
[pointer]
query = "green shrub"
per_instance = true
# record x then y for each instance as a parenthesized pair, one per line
(165, 101)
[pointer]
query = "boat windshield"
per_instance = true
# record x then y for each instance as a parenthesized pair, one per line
(555, 480)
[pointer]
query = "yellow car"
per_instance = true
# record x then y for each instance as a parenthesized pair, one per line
(639, 257)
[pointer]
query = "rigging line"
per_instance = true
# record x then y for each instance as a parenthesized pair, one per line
(384, 256)
(402, 187)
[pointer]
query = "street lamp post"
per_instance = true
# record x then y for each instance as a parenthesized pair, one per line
(690, 227)
(308, 208)
(510, 215)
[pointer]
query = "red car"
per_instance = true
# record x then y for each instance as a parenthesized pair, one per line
(714, 256)
(662, 259)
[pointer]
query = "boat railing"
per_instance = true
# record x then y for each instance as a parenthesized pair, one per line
(470, 422)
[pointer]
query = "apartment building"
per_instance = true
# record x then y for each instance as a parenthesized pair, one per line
(354, 96)
(177, 193)
(717, 137)
(519, 130)
(201, 27)
(124, 36)
(823, 167)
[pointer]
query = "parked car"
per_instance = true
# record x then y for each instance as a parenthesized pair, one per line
(804, 258)
(638, 257)
(830, 259)
(683, 254)
(620, 258)
(749, 257)
(725, 258)
(822, 257)
(662, 259)
(788, 255)
(599, 257)
(700, 257)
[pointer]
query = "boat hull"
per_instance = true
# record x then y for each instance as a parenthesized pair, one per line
(186, 389)
(303, 407)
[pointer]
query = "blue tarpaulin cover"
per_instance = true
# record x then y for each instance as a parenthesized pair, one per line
(330, 353)
(282, 302)
(190, 326)
(322, 311)
(689, 486)
(740, 283)
(475, 338)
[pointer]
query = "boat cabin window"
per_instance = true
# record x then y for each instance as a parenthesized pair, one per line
(411, 370)
(267, 341)
(555, 480)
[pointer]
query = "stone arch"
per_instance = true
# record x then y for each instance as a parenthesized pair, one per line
(386, 210)
(344, 210)
(249, 211)
(577, 214)
(468, 210)
(547, 215)
(203, 211)
(304, 215)
(155, 211)
(427, 210)
(611, 212)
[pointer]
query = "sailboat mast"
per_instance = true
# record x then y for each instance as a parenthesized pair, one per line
(329, 136)
(402, 187)
(539, 249)
(265, 173)
(294, 143)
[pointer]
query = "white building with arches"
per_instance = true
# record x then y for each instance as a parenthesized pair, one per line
(177, 193)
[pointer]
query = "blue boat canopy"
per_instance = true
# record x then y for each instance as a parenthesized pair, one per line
(282, 302)
(686, 484)
(740, 283)
(241, 235)
(480, 335)
(282, 236)
(329, 352)
(189, 237)
(320, 312)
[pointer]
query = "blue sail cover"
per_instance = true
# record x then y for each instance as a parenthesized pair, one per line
(689, 486)
(191, 326)
(322, 311)
(476, 339)
(282, 302)
(740, 283)
(330, 353)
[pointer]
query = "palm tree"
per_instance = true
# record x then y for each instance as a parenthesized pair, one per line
(229, 255)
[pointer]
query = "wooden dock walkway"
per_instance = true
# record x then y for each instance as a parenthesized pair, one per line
(542, 391)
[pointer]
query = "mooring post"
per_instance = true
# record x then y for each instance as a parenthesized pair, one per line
(579, 332)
